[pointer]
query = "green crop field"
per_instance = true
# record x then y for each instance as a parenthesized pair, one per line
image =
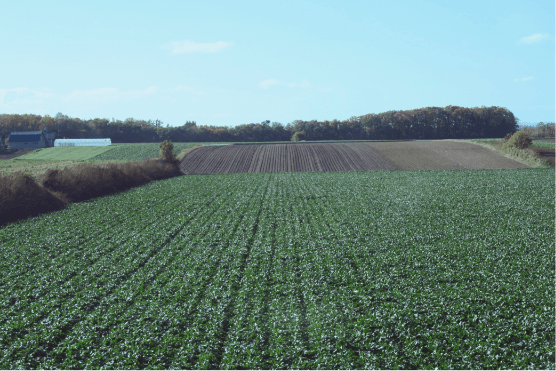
(332, 270)
(542, 144)
(66, 153)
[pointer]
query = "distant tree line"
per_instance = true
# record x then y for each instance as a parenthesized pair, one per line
(542, 129)
(423, 123)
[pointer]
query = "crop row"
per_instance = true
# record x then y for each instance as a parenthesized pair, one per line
(536, 143)
(364, 270)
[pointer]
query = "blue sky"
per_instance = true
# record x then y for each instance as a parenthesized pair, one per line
(227, 63)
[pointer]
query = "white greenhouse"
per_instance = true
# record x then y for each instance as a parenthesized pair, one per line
(82, 142)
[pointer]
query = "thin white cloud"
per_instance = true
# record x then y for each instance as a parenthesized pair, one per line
(107, 94)
(182, 47)
(529, 78)
(93, 94)
(533, 39)
(265, 84)
(22, 95)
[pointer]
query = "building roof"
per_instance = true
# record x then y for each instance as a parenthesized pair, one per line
(25, 138)
(83, 142)
(26, 132)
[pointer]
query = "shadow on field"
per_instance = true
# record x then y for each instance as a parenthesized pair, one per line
(23, 196)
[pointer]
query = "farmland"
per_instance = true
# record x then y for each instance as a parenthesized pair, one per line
(66, 153)
(37, 162)
(544, 144)
(140, 151)
(382, 269)
(355, 156)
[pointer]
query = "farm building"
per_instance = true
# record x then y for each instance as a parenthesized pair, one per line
(31, 139)
(89, 142)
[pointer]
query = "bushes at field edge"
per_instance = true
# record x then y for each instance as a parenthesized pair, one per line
(21, 196)
(520, 140)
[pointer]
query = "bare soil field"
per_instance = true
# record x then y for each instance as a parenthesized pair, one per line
(283, 158)
(444, 155)
(357, 156)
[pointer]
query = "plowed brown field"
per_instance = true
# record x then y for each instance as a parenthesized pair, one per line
(357, 156)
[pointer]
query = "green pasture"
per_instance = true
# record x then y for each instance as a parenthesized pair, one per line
(66, 153)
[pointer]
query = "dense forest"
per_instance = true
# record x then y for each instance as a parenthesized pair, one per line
(424, 123)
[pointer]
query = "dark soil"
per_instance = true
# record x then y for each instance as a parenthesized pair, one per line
(357, 156)
(273, 158)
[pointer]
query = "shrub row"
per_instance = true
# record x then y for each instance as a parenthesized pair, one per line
(520, 139)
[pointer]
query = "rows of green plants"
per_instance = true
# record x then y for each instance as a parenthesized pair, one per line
(140, 151)
(536, 143)
(338, 270)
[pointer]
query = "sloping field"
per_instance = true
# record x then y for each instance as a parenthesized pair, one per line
(284, 158)
(114, 152)
(357, 156)
(444, 155)
(140, 151)
(14, 153)
(66, 153)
